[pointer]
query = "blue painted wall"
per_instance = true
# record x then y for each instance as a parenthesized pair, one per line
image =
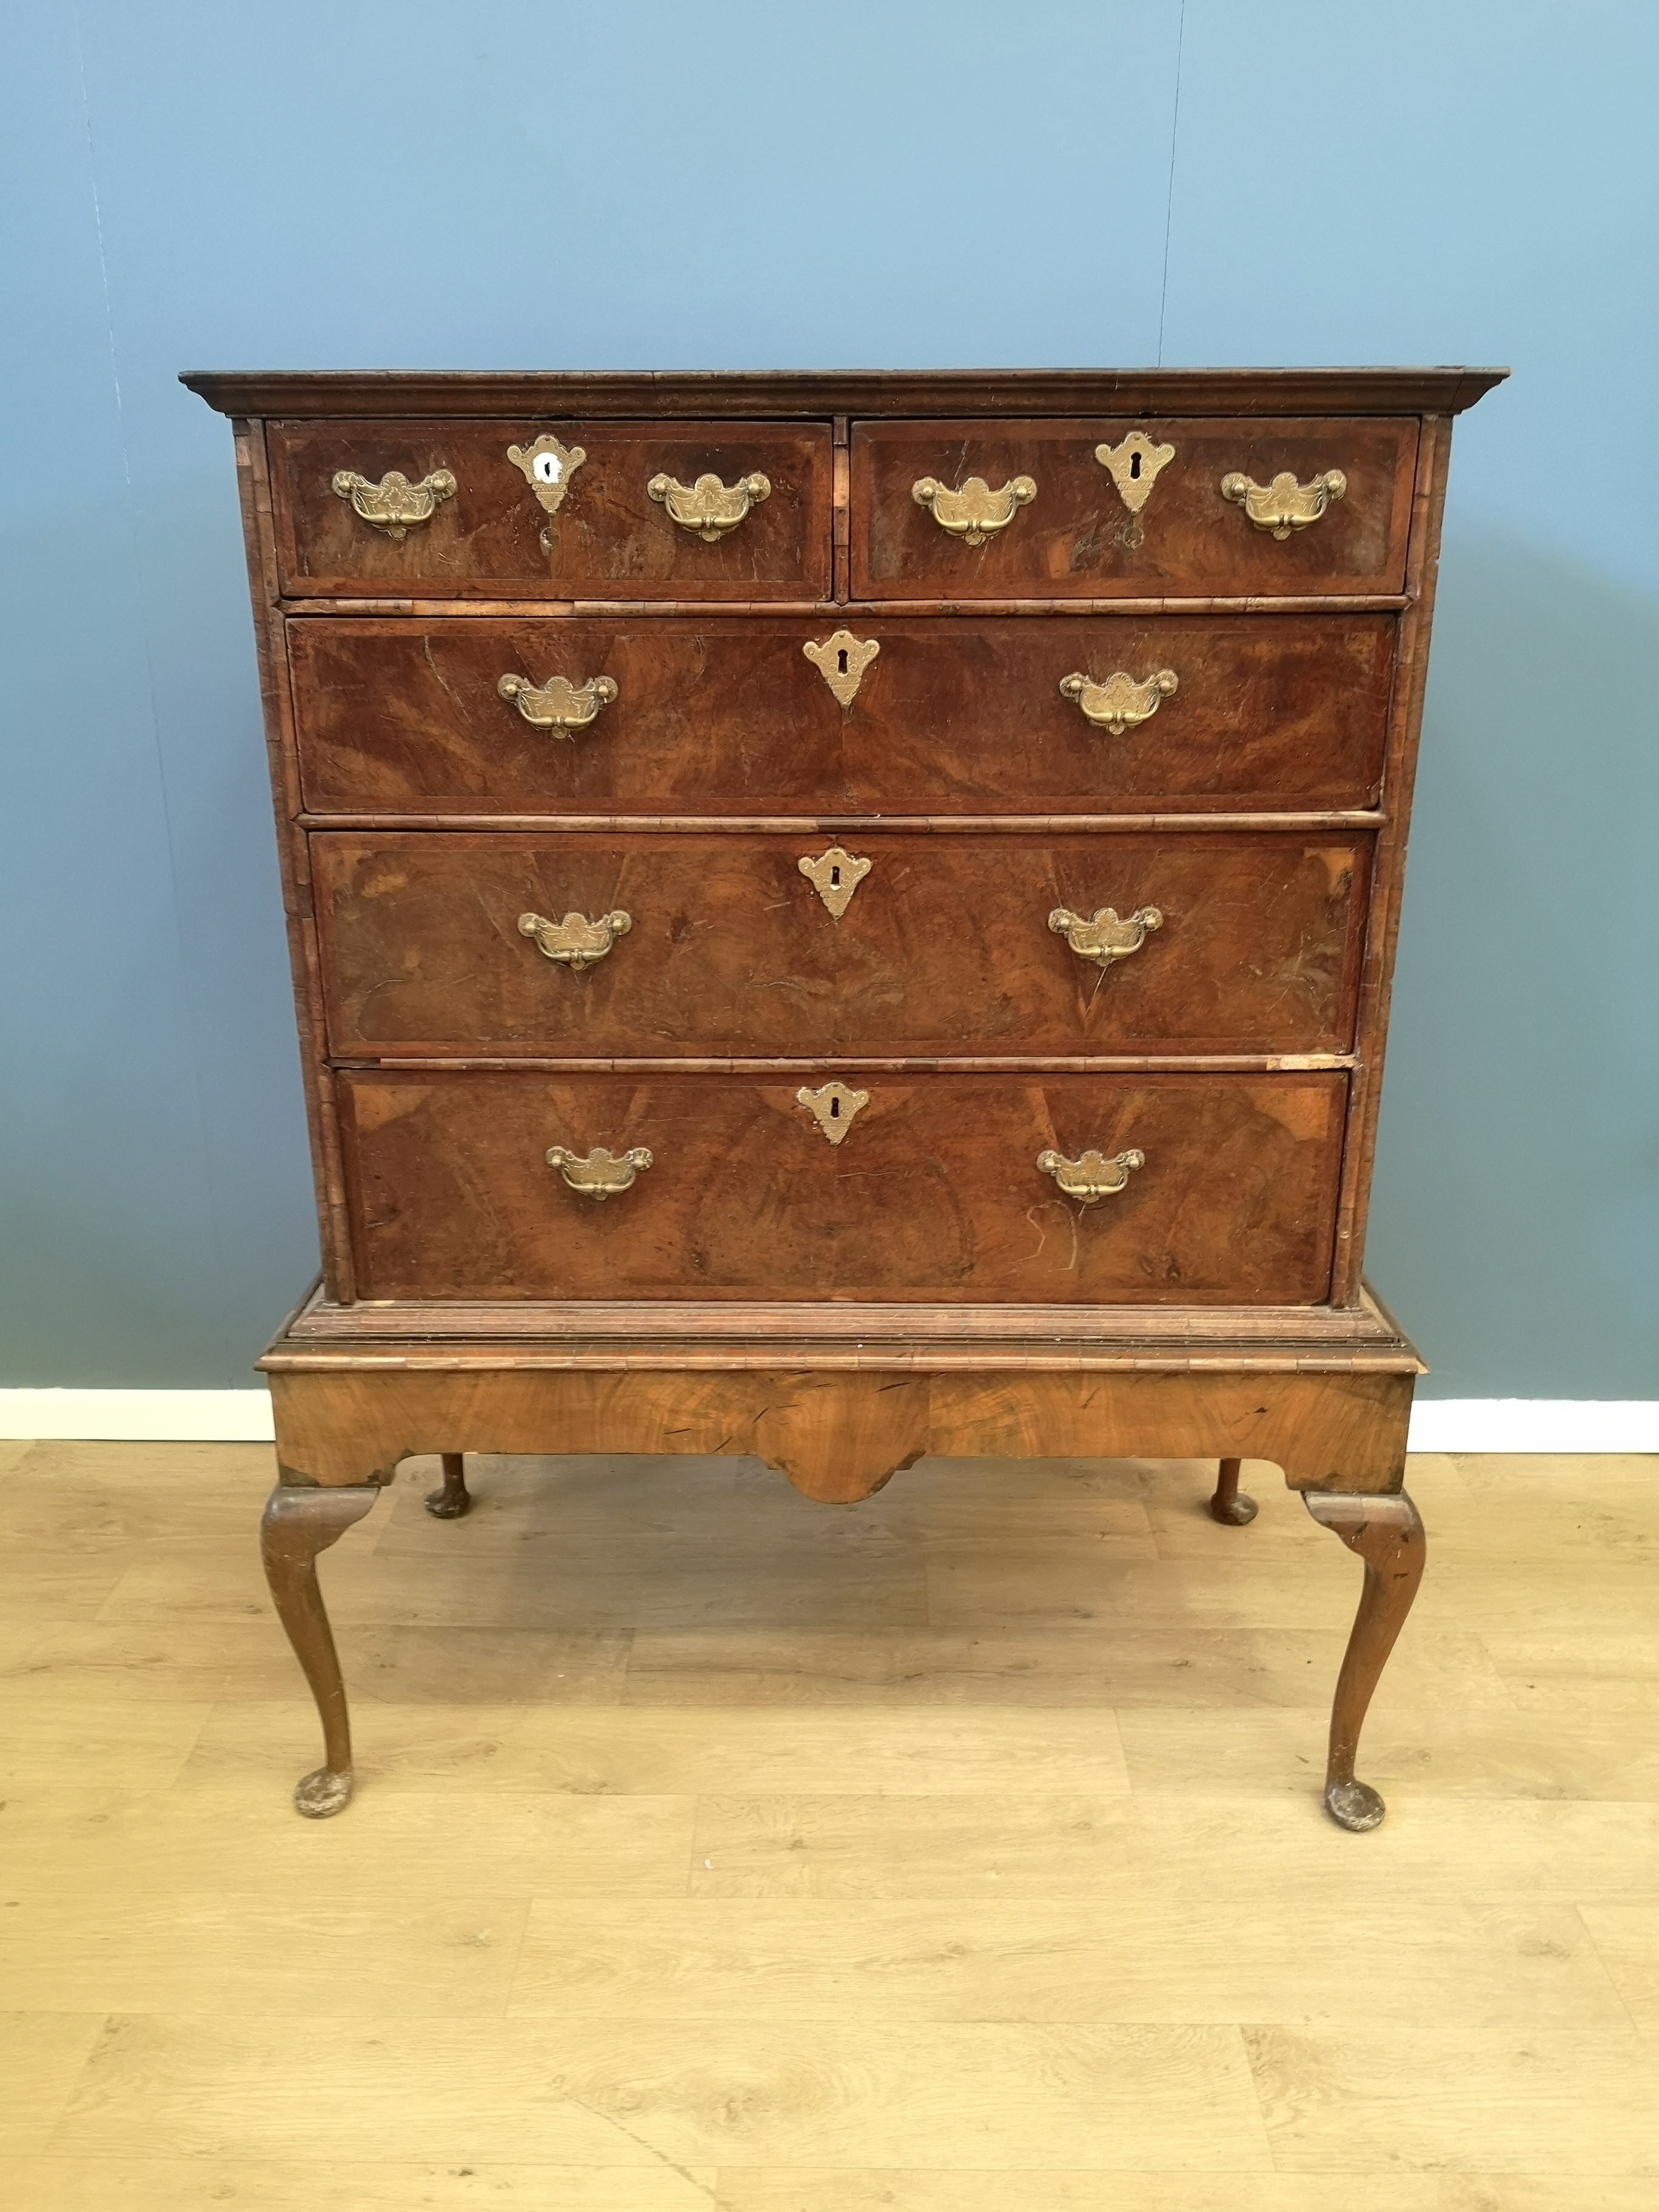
(747, 184)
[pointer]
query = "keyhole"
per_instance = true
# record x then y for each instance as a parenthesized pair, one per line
(1134, 464)
(547, 468)
(834, 879)
(835, 1109)
(840, 661)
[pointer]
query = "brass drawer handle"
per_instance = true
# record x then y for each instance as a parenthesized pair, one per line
(575, 943)
(601, 1175)
(394, 504)
(1284, 505)
(975, 511)
(708, 507)
(1092, 1177)
(1120, 703)
(1103, 938)
(558, 705)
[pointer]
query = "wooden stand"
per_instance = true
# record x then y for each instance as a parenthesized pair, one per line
(839, 1400)
(611, 1211)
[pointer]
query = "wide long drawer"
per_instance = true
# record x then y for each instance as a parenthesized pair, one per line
(587, 945)
(1131, 509)
(918, 1188)
(455, 509)
(730, 715)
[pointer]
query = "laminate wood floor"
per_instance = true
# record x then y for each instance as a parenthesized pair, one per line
(960, 1851)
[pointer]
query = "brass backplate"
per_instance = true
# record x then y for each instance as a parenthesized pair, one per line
(1285, 505)
(834, 875)
(708, 507)
(602, 1173)
(1103, 938)
(1093, 1176)
(841, 660)
(1120, 703)
(575, 943)
(394, 504)
(973, 513)
(558, 705)
(833, 1107)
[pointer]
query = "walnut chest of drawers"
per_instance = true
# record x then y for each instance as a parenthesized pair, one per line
(840, 917)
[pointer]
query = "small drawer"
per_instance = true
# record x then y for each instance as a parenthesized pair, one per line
(1063, 713)
(592, 945)
(717, 511)
(934, 1190)
(1029, 510)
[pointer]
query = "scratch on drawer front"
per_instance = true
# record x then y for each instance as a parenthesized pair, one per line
(426, 646)
(1032, 1213)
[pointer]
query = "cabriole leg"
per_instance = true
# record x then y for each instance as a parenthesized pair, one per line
(1387, 1533)
(454, 1499)
(1229, 1502)
(299, 1522)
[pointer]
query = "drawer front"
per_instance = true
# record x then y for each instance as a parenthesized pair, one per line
(591, 945)
(1069, 532)
(952, 715)
(608, 536)
(933, 1192)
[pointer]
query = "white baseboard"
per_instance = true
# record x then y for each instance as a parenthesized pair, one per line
(1535, 1424)
(1438, 1425)
(209, 1416)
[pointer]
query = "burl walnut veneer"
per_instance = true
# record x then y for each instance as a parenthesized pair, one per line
(842, 917)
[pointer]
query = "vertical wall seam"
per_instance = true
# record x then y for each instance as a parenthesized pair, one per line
(207, 1180)
(1169, 209)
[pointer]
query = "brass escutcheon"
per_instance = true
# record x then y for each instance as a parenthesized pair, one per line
(835, 876)
(548, 467)
(841, 660)
(575, 943)
(975, 511)
(1133, 465)
(1094, 1175)
(833, 1107)
(394, 504)
(1103, 938)
(601, 1174)
(708, 507)
(1284, 505)
(1120, 703)
(558, 705)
